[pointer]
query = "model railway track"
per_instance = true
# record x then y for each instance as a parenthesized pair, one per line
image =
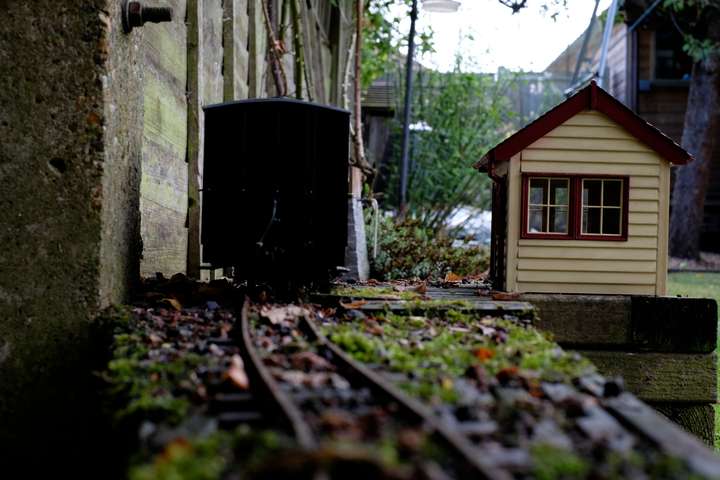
(365, 396)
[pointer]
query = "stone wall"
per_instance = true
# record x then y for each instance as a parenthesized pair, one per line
(69, 170)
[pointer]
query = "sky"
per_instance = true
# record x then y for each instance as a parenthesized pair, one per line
(528, 40)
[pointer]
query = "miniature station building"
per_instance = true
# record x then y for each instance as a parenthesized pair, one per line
(581, 200)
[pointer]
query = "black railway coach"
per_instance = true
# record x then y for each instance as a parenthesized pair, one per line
(275, 190)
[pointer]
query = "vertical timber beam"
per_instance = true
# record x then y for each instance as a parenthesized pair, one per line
(195, 128)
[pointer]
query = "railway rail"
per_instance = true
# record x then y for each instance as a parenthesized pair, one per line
(356, 397)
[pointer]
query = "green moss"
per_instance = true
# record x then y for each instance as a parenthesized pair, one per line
(375, 293)
(552, 463)
(210, 457)
(434, 350)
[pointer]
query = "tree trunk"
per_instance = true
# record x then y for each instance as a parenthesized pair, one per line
(701, 129)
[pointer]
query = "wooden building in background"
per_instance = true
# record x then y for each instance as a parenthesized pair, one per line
(648, 71)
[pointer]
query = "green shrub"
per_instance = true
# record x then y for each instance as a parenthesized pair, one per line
(408, 250)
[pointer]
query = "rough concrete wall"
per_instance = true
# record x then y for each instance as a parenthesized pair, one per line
(121, 244)
(163, 198)
(62, 168)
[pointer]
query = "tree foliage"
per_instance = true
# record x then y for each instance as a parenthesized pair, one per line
(690, 17)
(457, 116)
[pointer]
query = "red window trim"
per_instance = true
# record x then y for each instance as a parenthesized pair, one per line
(575, 220)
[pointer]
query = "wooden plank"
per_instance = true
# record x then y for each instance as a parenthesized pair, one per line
(565, 319)
(702, 461)
(194, 128)
(165, 119)
(644, 193)
(663, 233)
(644, 182)
(583, 144)
(595, 278)
(697, 419)
(591, 168)
(644, 206)
(164, 52)
(590, 156)
(597, 265)
(638, 242)
(639, 323)
(257, 49)
(643, 218)
(609, 289)
(661, 377)
(591, 118)
(640, 230)
(513, 222)
(577, 131)
(587, 253)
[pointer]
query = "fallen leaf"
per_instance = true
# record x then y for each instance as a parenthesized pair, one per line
(237, 374)
(484, 354)
(353, 305)
(452, 278)
(172, 303)
(309, 361)
(504, 296)
(506, 374)
(279, 314)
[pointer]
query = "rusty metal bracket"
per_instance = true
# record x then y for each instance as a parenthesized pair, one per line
(135, 14)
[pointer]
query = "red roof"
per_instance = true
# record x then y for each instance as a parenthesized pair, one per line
(591, 97)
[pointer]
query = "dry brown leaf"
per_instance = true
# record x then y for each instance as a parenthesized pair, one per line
(173, 303)
(353, 305)
(505, 296)
(484, 354)
(453, 278)
(236, 373)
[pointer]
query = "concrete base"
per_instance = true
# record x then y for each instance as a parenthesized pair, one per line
(356, 258)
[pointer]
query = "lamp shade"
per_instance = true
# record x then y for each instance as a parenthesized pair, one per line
(446, 6)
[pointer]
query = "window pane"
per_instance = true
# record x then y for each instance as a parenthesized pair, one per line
(591, 220)
(538, 191)
(559, 192)
(559, 219)
(537, 219)
(611, 221)
(612, 193)
(591, 192)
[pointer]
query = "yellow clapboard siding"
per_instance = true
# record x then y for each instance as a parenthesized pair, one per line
(573, 265)
(644, 194)
(644, 206)
(590, 168)
(588, 253)
(591, 118)
(643, 230)
(573, 131)
(630, 278)
(540, 287)
(581, 144)
(645, 182)
(590, 156)
(637, 242)
(636, 218)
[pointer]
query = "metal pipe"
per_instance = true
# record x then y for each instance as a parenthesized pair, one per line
(586, 40)
(609, 22)
(404, 165)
